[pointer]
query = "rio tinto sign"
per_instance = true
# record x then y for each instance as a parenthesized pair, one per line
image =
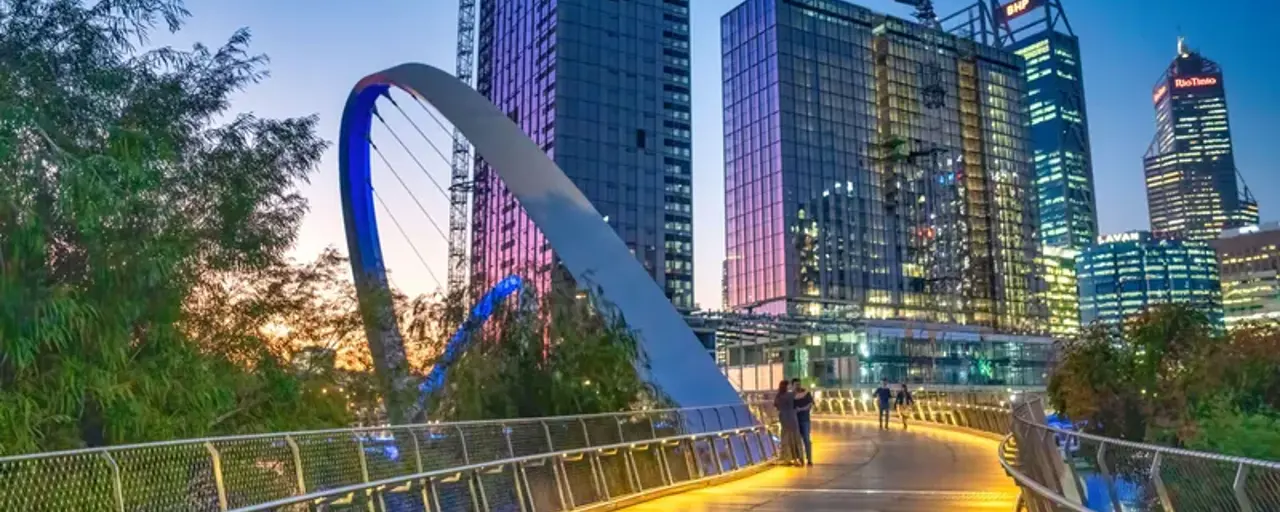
(1194, 81)
(1017, 8)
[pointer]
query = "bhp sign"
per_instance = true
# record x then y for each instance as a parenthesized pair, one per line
(1017, 8)
(1195, 81)
(1155, 97)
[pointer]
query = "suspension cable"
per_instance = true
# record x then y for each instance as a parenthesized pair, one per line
(421, 208)
(434, 117)
(413, 156)
(404, 234)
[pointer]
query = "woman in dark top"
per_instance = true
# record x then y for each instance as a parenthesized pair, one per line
(791, 452)
(904, 403)
(804, 403)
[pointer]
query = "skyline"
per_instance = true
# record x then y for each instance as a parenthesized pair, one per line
(317, 58)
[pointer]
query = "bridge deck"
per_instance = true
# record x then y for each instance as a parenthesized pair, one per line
(860, 468)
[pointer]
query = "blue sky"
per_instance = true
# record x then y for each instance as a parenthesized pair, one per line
(320, 48)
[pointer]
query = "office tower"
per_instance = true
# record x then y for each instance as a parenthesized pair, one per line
(1192, 188)
(875, 167)
(1038, 30)
(1249, 261)
(1061, 293)
(604, 88)
(1126, 273)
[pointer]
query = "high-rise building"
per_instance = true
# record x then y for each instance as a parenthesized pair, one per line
(1061, 293)
(1249, 261)
(1038, 30)
(1126, 273)
(604, 88)
(875, 167)
(1193, 187)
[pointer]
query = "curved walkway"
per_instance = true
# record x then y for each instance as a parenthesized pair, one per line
(859, 468)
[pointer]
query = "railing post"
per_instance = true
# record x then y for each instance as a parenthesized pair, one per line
(1106, 477)
(1156, 479)
(1237, 487)
(555, 463)
(297, 464)
(216, 459)
(466, 455)
(364, 468)
(117, 483)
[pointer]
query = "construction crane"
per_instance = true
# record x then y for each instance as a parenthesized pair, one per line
(460, 183)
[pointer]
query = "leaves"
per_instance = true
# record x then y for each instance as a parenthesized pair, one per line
(1169, 376)
(142, 242)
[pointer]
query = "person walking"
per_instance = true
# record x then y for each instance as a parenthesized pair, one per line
(904, 401)
(785, 402)
(804, 403)
(883, 395)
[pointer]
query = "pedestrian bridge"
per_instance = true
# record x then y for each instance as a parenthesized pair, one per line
(958, 452)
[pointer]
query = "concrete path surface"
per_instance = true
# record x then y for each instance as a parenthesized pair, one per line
(859, 468)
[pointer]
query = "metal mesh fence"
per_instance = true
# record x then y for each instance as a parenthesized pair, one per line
(227, 473)
(1066, 470)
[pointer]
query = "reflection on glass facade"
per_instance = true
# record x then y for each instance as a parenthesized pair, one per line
(1126, 273)
(603, 87)
(1038, 30)
(1192, 189)
(1249, 259)
(847, 196)
(1060, 294)
(755, 352)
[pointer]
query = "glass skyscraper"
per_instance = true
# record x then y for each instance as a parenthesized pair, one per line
(1038, 30)
(875, 167)
(1126, 273)
(1061, 294)
(604, 87)
(1192, 182)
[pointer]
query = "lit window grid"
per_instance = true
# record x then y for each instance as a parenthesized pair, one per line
(575, 96)
(1120, 279)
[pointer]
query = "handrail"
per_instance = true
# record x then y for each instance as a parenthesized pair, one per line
(1154, 447)
(346, 430)
(1026, 482)
(316, 497)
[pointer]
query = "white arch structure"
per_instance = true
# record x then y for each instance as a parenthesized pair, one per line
(678, 364)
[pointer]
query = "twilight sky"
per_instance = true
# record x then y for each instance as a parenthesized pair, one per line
(320, 48)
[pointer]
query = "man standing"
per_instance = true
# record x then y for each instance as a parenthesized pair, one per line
(883, 394)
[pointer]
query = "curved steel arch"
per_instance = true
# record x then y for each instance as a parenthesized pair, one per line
(461, 339)
(592, 252)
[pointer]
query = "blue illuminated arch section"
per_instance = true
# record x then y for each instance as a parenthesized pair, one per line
(462, 338)
(588, 248)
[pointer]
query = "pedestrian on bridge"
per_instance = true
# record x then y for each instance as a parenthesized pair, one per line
(804, 402)
(792, 453)
(883, 394)
(904, 401)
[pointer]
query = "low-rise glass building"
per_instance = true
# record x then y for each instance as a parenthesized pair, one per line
(756, 351)
(1249, 260)
(1124, 274)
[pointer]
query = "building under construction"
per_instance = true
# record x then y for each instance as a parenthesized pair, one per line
(875, 167)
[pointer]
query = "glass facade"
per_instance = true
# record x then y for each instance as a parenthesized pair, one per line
(604, 88)
(851, 192)
(1126, 273)
(1061, 294)
(1249, 261)
(1192, 188)
(1060, 139)
(836, 354)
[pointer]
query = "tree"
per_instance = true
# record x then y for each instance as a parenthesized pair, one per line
(547, 355)
(124, 204)
(1170, 376)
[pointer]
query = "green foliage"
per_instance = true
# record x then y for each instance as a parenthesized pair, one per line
(1169, 376)
(127, 215)
(562, 357)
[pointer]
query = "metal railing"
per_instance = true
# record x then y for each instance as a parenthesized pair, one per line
(225, 473)
(984, 411)
(1062, 469)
